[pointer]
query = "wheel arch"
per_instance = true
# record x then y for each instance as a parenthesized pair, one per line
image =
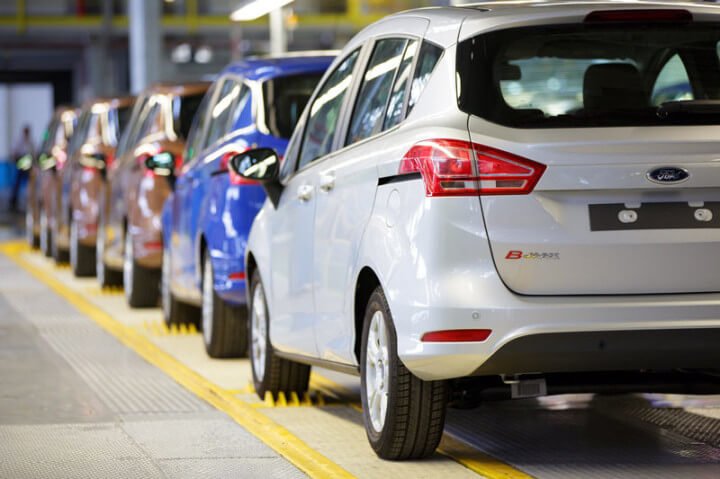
(367, 282)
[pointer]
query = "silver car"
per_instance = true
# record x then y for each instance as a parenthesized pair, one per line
(506, 199)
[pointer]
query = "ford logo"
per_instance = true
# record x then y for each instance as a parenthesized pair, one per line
(668, 174)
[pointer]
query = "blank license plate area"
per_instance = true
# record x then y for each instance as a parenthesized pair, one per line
(654, 216)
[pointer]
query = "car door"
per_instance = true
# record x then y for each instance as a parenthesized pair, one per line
(220, 114)
(346, 191)
(293, 308)
(182, 235)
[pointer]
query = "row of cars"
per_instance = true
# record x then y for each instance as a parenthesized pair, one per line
(431, 227)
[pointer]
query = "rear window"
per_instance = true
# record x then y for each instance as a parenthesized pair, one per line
(592, 75)
(285, 100)
(184, 111)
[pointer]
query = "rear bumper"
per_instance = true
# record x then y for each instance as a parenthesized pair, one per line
(607, 351)
(559, 334)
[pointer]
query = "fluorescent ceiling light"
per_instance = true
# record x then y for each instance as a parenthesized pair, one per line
(255, 9)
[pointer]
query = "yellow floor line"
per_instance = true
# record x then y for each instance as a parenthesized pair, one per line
(277, 437)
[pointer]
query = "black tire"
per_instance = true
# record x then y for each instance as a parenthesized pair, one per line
(142, 285)
(45, 235)
(32, 239)
(415, 412)
(174, 311)
(107, 277)
(82, 257)
(224, 326)
(279, 374)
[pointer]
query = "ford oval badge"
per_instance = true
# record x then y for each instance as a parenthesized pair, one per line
(668, 175)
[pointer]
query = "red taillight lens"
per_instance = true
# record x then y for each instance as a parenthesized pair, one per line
(456, 336)
(639, 16)
(461, 168)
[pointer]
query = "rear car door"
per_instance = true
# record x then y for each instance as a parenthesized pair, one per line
(347, 182)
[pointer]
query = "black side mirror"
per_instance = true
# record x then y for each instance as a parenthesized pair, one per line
(263, 165)
(94, 160)
(47, 162)
(162, 164)
(24, 163)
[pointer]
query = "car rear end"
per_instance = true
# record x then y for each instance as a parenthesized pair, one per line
(575, 227)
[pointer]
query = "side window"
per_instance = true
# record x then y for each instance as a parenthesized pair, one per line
(222, 111)
(429, 56)
(673, 83)
(325, 112)
(197, 130)
(394, 113)
(369, 113)
(149, 123)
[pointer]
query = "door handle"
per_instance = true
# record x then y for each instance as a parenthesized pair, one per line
(304, 192)
(327, 182)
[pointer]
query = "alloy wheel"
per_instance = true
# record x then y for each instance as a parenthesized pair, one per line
(258, 328)
(207, 301)
(128, 267)
(377, 371)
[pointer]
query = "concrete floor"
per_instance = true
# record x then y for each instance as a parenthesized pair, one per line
(75, 403)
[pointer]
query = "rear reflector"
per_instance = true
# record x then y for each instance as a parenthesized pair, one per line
(153, 245)
(639, 16)
(461, 168)
(456, 336)
(237, 276)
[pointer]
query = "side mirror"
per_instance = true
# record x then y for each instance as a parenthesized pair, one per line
(47, 162)
(24, 163)
(94, 160)
(162, 164)
(263, 165)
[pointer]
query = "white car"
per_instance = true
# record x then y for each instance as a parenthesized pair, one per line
(502, 192)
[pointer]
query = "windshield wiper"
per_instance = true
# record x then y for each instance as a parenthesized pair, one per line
(696, 109)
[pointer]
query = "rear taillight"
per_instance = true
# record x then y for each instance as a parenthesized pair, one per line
(461, 168)
(639, 16)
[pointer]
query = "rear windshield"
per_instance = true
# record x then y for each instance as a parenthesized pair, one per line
(184, 111)
(592, 75)
(285, 99)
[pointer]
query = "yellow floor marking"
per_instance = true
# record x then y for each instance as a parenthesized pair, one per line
(478, 461)
(277, 437)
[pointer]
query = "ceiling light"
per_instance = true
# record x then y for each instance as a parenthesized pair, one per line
(255, 9)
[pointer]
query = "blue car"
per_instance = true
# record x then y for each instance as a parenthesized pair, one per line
(207, 219)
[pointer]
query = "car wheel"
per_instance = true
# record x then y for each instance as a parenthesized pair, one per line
(61, 256)
(224, 327)
(32, 239)
(142, 285)
(174, 311)
(404, 416)
(82, 258)
(270, 372)
(45, 234)
(106, 277)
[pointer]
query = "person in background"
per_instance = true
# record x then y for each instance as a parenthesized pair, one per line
(22, 149)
